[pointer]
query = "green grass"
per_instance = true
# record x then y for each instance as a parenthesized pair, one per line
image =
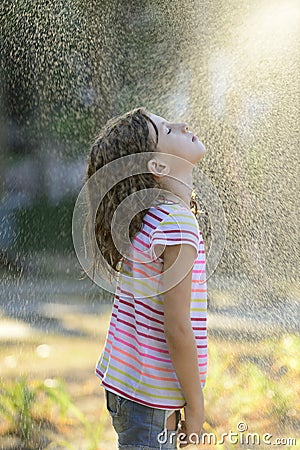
(33, 410)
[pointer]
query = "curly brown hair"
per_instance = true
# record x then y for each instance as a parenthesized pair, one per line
(122, 136)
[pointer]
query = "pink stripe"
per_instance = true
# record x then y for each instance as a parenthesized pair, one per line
(149, 307)
(140, 313)
(110, 331)
(142, 231)
(130, 305)
(99, 372)
(159, 350)
(149, 224)
(144, 326)
(163, 210)
(150, 318)
(148, 336)
(145, 355)
(126, 313)
(116, 306)
(141, 242)
(160, 313)
(159, 219)
(128, 294)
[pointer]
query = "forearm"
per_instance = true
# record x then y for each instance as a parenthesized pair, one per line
(183, 351)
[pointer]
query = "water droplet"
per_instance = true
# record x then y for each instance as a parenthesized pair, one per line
(51, 382)
(43, 350)
(10, 361)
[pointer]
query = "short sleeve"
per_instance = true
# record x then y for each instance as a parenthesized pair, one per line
(178, 227)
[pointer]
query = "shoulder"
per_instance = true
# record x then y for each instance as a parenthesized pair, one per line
(174, 218)
(181, 215)
(175, 210)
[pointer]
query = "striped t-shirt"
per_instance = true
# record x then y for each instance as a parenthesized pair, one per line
(135, 362)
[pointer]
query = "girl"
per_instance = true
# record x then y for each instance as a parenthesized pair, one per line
(154, 360)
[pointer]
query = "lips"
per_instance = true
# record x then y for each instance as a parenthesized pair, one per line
(194, 138)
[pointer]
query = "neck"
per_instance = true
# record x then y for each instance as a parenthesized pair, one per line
(179, 189)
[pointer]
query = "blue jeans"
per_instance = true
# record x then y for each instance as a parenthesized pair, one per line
(140, 427)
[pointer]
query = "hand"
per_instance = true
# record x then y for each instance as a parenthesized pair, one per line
(191, 426)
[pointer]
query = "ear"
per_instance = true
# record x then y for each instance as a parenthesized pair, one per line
(159, 169)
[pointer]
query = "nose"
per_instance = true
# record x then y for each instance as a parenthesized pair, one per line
(184, 127)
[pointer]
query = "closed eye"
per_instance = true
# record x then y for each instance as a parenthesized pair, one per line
(169, 131)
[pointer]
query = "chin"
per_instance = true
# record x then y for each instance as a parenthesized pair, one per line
(202, 150)
(202, 146)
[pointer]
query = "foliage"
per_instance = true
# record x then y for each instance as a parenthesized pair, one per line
(31, 409)
(259, 386)
(44, 226)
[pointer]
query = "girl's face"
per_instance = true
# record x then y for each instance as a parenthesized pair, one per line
(176, 139)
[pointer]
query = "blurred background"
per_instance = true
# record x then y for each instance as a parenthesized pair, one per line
(229, 68)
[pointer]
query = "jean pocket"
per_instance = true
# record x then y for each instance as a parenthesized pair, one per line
(120, 410)
(113, 403)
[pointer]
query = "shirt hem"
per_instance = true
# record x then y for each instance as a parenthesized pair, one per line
(135, 399)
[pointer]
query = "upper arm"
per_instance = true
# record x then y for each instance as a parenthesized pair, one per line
(177, 238)
(177, 284)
